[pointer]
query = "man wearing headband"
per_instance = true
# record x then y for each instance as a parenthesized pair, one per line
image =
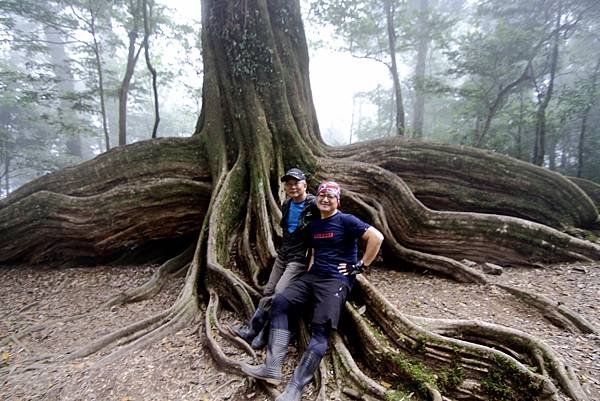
(291, 261)
(334, 242)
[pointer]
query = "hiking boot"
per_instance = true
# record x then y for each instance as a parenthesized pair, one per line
(261, 340)
(302, 375)
(248, 331)
(270, 371)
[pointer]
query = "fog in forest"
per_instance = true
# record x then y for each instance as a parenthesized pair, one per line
(512, 77)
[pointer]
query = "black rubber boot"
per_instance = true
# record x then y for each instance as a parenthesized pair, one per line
(302, 375)
(261, 340)
(250, 330)
(270, 371)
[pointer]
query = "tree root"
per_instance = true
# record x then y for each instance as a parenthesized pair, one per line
(345, 365)
(211, 326)
(446, 177)
(212, 323)
(538, 353)
(151, 287)
(457, 364)
(456, 235)
(554, 311)
(137, 335)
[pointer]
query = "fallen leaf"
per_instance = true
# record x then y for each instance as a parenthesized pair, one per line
(385, 384)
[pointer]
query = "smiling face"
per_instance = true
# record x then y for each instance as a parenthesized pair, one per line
(327, 202)
(295, 189)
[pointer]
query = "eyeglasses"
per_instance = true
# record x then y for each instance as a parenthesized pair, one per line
(328, 196)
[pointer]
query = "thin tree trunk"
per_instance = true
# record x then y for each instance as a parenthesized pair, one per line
(581, 143)
(6, 173)
(353, 118)
(540, 129)
(149, 65)
(420, 68)
(96, 50)
(586, 112)
(132, 57)
(497, 104)
(552, 153)
(389, 12)
(520, 127)
(65, 83)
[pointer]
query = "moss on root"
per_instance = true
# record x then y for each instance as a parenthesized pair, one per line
(451, 377)
(417, 376)
(505, 382)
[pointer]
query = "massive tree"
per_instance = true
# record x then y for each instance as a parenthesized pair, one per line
(221, 188)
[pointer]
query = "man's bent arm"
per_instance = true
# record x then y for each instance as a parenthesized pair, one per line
(374, 238)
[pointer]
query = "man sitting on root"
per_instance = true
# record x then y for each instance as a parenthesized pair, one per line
(297, 211)
(334, 242)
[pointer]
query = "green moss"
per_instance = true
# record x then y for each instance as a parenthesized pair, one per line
(375, 331)
(505, 382)
(417, 375)
(590, 236)
(452, 377)
(419, 345)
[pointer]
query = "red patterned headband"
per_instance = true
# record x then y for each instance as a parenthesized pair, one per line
(329, 187)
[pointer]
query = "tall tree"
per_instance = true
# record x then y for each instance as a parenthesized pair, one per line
(592, 95)
(544, 96)
(147, 8)
(135, 19)
(257, 120)
(369, 30)
(389, 7)
(420, 69)
(64, 75)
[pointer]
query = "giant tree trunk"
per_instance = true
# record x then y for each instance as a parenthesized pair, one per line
(222, 184)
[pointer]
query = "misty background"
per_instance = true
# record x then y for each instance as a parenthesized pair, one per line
(519, 78)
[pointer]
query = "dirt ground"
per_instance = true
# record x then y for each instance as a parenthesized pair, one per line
(52, 305)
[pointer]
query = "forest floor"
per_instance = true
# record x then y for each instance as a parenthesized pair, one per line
(179, 367)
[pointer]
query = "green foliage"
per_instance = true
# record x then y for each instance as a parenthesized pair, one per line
(488, 60)
(50, 84)
(369, 126)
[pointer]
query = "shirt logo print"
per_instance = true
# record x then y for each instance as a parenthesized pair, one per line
(323, 235)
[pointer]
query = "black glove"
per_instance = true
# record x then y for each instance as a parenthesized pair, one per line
(358, 268)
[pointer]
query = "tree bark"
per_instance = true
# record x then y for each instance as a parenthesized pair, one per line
(584, 118)
(6, 173)
(98, 64)
(132, 57)
(152, 70)
(393, 67)
(539, 148)
(65, 78)
(422, 50)
(258, 120)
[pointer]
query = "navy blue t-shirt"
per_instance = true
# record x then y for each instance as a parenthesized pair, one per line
(335, 240)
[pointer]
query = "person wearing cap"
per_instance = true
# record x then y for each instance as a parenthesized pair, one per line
(334, 243)
(297, 211)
